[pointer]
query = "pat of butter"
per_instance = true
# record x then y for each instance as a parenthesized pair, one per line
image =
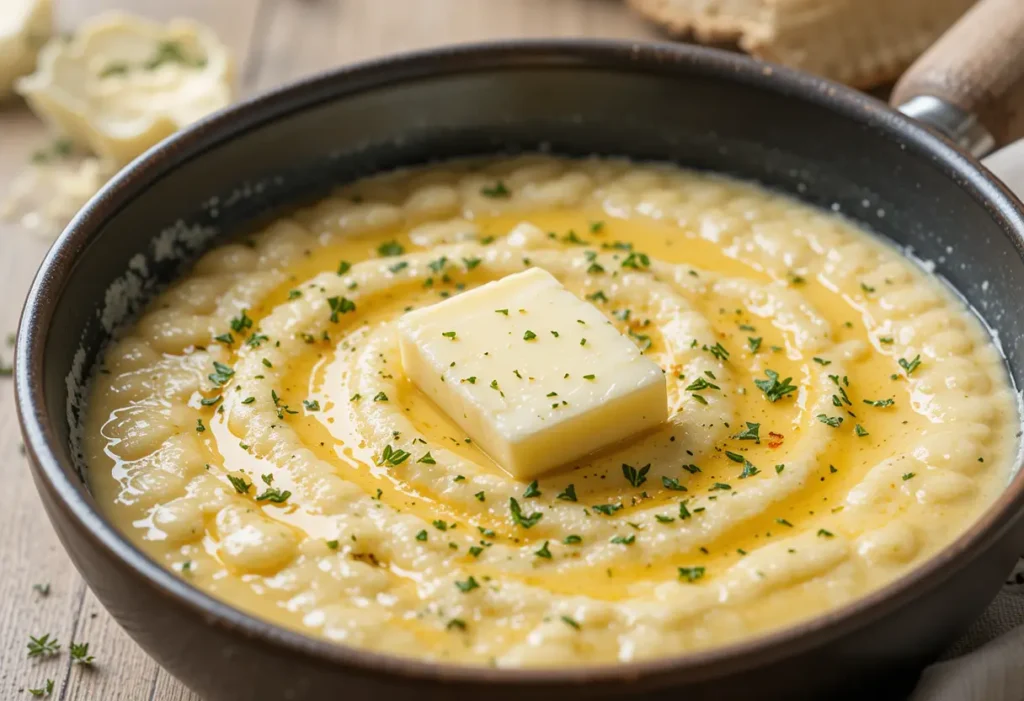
(535, 376)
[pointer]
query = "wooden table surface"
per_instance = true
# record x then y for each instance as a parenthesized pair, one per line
(274, 41)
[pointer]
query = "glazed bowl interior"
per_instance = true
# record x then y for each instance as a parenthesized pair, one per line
(700, 109)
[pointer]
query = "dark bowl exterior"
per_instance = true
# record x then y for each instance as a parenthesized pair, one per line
(701, 108)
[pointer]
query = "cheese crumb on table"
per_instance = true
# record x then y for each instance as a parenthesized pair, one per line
(536, 376)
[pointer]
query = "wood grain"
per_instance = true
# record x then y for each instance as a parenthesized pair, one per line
(274, 41)
(977, 66)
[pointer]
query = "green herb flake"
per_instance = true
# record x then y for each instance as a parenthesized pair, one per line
(521, 519)
(497, 190)
(773, 388)
(635, 476)
(691, 574)
(389, 249)
(911, 365)
(467, 586)
(833, 421)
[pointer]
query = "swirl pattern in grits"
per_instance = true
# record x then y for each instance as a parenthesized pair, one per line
(255, 432)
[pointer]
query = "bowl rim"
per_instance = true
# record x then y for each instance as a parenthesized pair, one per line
(657, 58)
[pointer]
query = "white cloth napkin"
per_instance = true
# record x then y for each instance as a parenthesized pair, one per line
(987, 663)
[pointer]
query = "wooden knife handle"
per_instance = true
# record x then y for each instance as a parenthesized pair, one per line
(978, 66)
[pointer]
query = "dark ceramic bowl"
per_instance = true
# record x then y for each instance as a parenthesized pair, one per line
(820, 142)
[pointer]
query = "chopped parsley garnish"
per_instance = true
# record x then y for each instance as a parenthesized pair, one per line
(822, 533)
(783, 522)
(754, 343)
(332, 544)
(860, 431)
(43, 646)
(340, 305)
(571, 622)
(661, 518)
(880, 402)
(672, 484)
(467, 586)
(239, 483)
(643, 341)
(529, 335)
(390, 248)
(635, 476)
(692, 469)
(773, 389)
(606, 509)
(380, 397)
(749, 470)
(822, 361)
(497, 190)
(200, 428)
(521, 519)
(543, 552)
(636, 260)
(567, 494)
(170, 52)
(623, 540)
(221, 375)
(392, 457)
(750, 433)
(421, 536)
(572, 539)
(531, 490)
(343, 267)
(598, 296)
(502, 311)
(833, 421)
(717, 350)
(44, 690)
(684, 513)
(448, 334)
(471, 263)
(910, 366)
(908, 475)
(455, 623)
(691, 574)
(311, 405)
(720, 487)
(701, 384)
(440, 525)
(241, 323)
(427, 459)
(274, 495)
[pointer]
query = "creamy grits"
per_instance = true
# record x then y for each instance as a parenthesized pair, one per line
(836, 417)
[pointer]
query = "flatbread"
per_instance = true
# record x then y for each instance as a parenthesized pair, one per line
(859, 42)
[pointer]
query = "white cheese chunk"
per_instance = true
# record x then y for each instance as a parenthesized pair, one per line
(535, 376)
(25, 25)
(122, 83)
